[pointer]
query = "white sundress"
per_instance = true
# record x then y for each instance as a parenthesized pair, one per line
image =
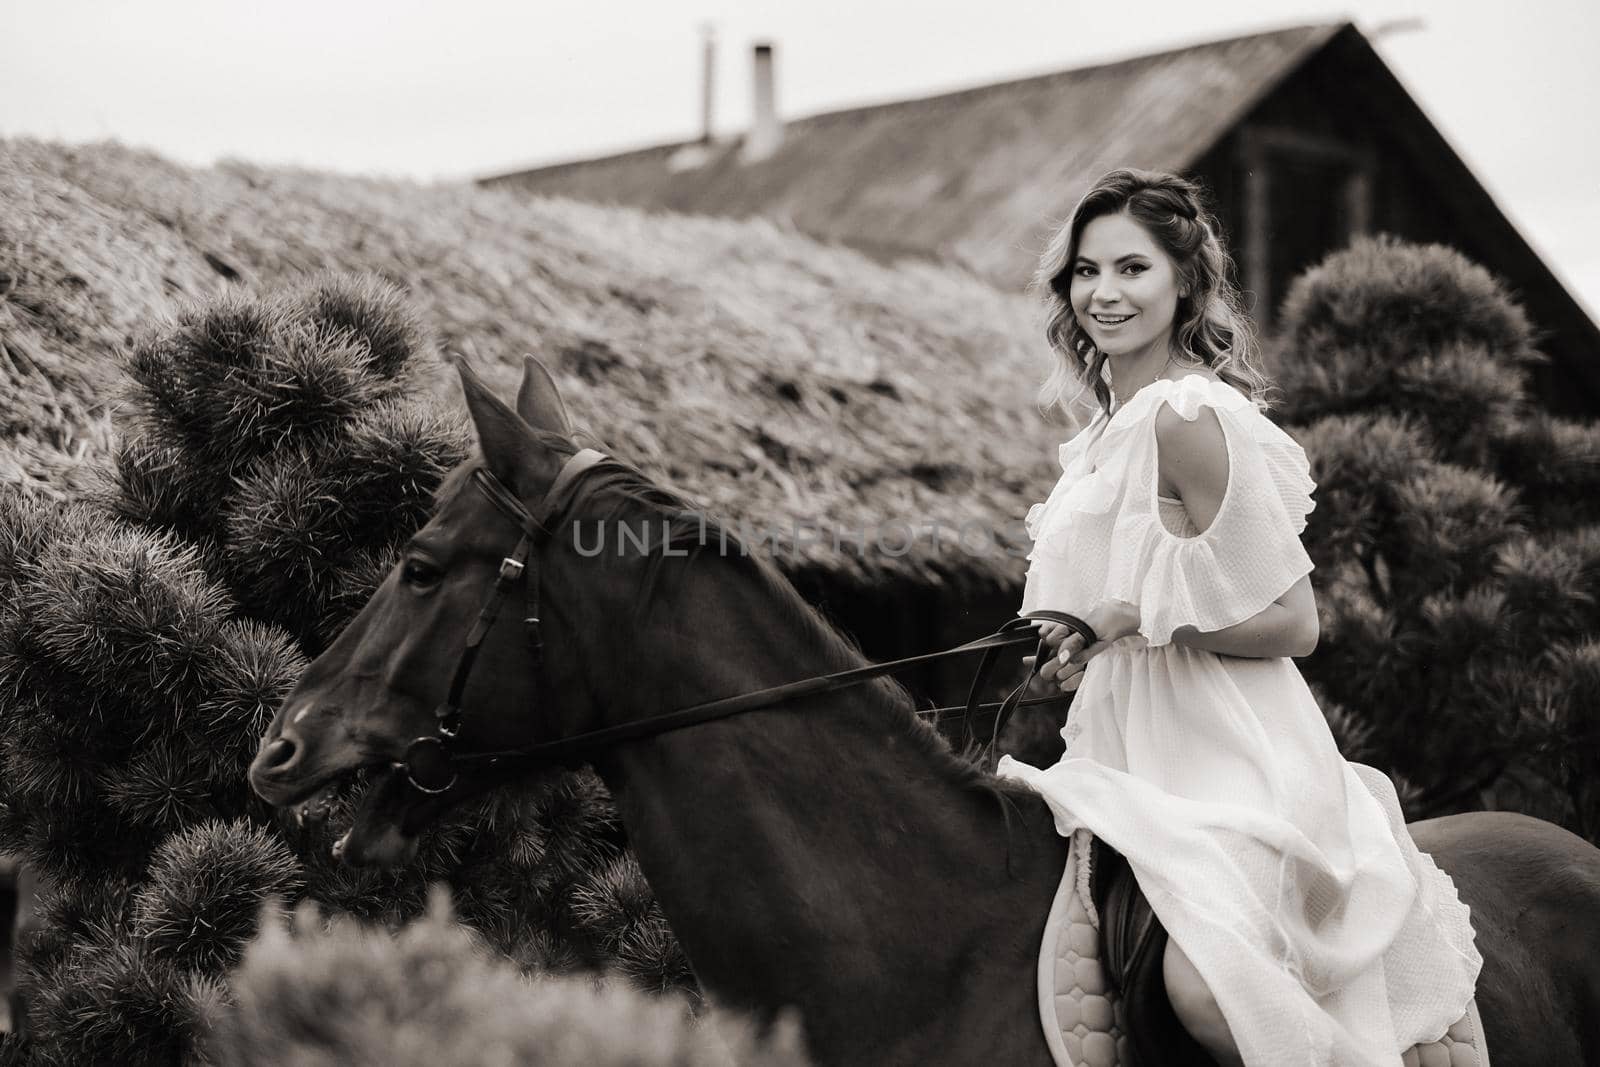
(1283, 871)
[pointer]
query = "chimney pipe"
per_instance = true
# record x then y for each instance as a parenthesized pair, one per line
(707, 82)
(766, 132)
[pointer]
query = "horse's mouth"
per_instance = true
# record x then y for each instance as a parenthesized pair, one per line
(373, 814)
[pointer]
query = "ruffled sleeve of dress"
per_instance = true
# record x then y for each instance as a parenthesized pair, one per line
(1074, 467)
(1250, 554)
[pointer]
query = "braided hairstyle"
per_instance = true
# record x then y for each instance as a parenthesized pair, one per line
(1210, 327)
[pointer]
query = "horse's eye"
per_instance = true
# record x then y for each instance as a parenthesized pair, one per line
(419, 573)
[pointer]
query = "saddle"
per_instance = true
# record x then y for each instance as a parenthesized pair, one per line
(1103, 998)
(1132, 945)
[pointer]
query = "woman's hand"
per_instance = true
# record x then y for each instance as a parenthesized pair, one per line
(1111, 621)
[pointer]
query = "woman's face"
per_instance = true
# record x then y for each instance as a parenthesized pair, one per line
(1124, 287)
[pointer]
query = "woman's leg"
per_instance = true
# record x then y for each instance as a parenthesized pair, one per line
(1196, 1008)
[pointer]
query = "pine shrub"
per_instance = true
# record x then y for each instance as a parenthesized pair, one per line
(280, 434)
(1458, 564)
(313, 994)
(115, 1002)
(204, 887)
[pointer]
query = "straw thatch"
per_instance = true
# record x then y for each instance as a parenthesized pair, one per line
(776, 380)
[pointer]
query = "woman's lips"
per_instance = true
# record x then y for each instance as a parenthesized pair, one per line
(1120, 321)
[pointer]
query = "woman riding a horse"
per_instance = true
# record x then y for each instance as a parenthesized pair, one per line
(1305, 926)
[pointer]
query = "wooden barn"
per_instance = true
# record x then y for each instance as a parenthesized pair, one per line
(1304, 135)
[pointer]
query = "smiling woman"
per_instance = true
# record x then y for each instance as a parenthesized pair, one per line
(1125, 291)
(1297, 911)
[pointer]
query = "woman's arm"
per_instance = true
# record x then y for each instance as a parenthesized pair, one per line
(1193, 461)
(1286, 627)
(1192, 458)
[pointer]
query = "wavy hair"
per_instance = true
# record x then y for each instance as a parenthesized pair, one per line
(1210, 327)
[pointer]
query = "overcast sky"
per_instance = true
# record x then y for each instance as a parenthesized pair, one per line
(469, 87)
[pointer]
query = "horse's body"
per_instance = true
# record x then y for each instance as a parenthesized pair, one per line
(1534, 891)
(816, 858)
(821, 857)
(827, 854)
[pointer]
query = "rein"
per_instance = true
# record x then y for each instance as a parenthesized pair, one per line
(432, 766)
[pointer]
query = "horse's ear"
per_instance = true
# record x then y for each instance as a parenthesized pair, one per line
(503, 436)
(539, 401)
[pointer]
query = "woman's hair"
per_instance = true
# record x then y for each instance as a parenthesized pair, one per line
(1209, 325)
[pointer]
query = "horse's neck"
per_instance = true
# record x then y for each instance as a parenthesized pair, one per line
(814, 849)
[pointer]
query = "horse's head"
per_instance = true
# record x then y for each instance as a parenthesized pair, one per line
(386, 681)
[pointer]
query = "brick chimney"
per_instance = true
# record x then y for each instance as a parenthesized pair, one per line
(766, 131)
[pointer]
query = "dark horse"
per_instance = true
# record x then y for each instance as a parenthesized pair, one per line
(828, 853)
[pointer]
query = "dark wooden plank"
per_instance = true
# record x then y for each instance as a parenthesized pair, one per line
(14, 894)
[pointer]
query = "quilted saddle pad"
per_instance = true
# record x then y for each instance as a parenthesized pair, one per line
(1084, 1021)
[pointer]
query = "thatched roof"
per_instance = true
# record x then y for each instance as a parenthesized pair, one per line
(974, 177)
(775, 379)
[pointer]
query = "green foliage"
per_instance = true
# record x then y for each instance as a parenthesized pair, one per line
(618, 908)
(114, 1002)
(277, 434)
(312, 995)
(126, 703)
(1556, 462)
(205, 886)
(95, 995)
(1353, 458)
(1393, 304)
(1455, 539)
(69, 913)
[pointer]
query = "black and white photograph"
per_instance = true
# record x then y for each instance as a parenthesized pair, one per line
(851, 534)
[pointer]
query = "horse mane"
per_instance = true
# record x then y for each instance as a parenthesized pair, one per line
(450, 484)
(690, 529)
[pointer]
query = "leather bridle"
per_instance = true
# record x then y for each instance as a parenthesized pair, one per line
(432, 765)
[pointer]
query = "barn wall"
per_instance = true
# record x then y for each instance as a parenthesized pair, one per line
(1416, 194)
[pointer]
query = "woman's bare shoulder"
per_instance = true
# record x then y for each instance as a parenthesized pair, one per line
(1189, 439)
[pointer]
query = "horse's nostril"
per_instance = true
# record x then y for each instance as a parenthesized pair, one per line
(276, 755)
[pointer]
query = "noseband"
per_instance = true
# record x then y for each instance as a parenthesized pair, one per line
(433, 766)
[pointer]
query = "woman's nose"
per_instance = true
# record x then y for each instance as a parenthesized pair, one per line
(1105, 292)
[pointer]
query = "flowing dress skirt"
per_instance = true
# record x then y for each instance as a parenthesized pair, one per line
(1285, 872)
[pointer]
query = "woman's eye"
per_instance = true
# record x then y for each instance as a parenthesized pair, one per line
(1137, 268)
(1084, 272)
(416, 572)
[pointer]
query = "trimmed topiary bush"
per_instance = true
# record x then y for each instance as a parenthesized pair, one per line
(1456, 535)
